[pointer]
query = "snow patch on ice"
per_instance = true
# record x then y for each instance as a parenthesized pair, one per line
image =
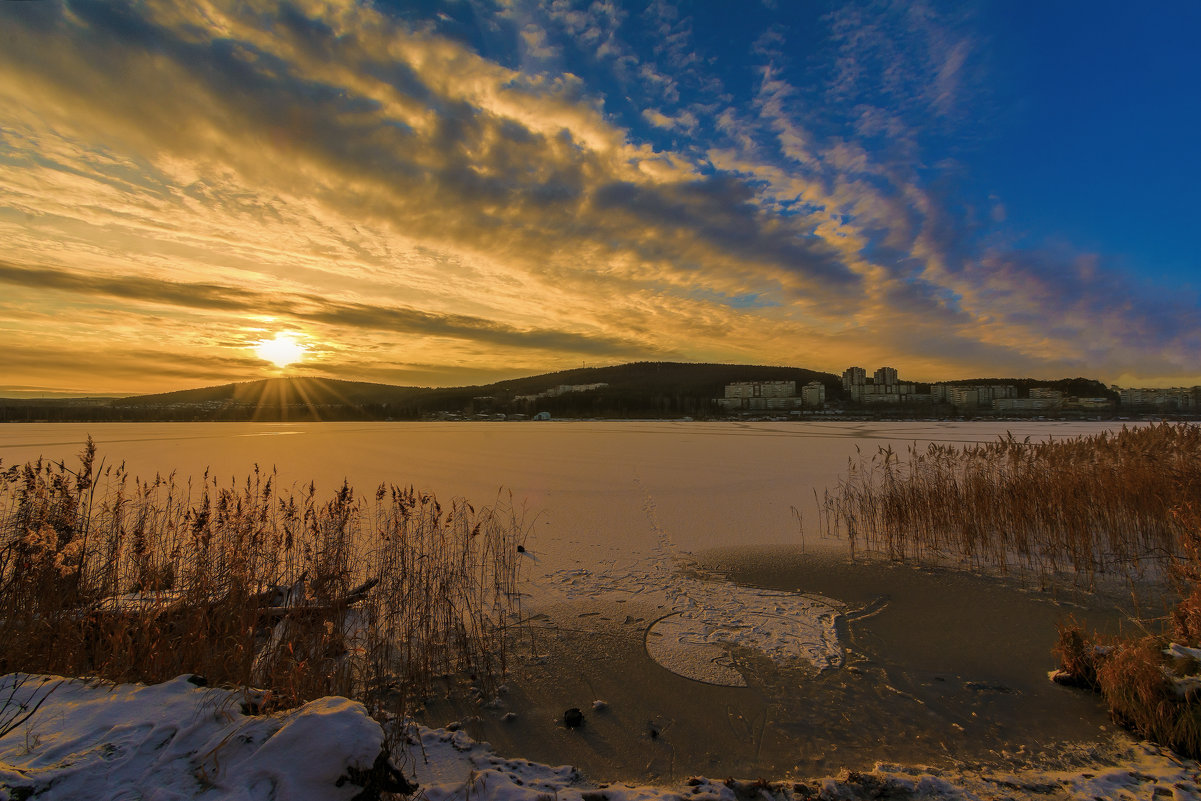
(712, 618)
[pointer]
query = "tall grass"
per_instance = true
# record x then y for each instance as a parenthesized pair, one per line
(104, 574)
(1088, 506)
(1125, 504)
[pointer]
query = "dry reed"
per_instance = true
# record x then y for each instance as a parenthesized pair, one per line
(103, 574)
(1089, 506)
(1125, 504)
(1149, 685)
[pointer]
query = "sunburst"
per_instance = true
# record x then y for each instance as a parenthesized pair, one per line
(281, 351)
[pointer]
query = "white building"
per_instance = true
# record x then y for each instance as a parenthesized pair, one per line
(761, 389)
(882, 388)
(1025, 404)
(1181, 398)
(854, 376)
(960, 395)
(963, 397)
(761, 396)
(813, 394)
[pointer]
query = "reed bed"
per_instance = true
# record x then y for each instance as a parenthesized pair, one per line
(1152, 682)
(104, 574)
(1125, 505)
(1085, 507)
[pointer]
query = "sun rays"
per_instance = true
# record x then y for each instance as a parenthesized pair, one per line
(283, 350)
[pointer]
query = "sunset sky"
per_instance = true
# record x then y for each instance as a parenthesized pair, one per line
(451, 193)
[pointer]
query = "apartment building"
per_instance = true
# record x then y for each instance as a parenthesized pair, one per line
(771, 396)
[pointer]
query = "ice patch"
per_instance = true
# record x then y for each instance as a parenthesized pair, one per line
(713, 618)
(699, 645)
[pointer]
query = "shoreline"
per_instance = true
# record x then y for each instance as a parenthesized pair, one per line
(175, 740)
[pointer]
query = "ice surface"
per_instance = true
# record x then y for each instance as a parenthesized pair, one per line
(714, 484)
(710, 618)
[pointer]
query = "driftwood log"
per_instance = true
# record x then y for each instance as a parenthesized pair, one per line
(269, 606)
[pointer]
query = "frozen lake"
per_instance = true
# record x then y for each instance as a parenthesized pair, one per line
(667, 576)
(709, 484)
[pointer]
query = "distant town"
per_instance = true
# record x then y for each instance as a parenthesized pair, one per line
(640, 390)
(885, 389)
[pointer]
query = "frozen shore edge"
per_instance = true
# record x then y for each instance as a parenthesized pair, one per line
(79, 739)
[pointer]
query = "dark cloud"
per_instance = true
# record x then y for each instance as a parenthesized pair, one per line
(85, 363)
(720, 212)
(312, 308)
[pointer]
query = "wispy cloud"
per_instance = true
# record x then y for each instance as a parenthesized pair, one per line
(228, 168)
(313, 308)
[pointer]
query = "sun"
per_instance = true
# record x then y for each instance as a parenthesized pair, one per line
(285, 349)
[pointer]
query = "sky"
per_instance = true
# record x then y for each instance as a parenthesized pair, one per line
(450, 193)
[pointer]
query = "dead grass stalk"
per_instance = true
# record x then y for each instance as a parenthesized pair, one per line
(104, 574)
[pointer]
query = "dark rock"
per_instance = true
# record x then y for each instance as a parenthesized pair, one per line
(573, 718)
(381, 777)
(198, 680)
(1065, 679)
(989, 687)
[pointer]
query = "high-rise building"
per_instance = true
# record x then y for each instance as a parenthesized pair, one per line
(854, 377)
(885, 376)
(813, 394)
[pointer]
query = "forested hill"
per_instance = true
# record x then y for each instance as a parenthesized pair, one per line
(665, 378)
(640, 389)
(280, 391)
(650, 389)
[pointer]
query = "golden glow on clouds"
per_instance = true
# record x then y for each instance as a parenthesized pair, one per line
(445, 219)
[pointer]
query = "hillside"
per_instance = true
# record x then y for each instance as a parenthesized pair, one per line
(278, 392)
(640, 389)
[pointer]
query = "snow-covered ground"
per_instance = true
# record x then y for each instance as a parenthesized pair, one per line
(72, 739)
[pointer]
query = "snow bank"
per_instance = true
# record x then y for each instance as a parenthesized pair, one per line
(73, 739)
(452, 767)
